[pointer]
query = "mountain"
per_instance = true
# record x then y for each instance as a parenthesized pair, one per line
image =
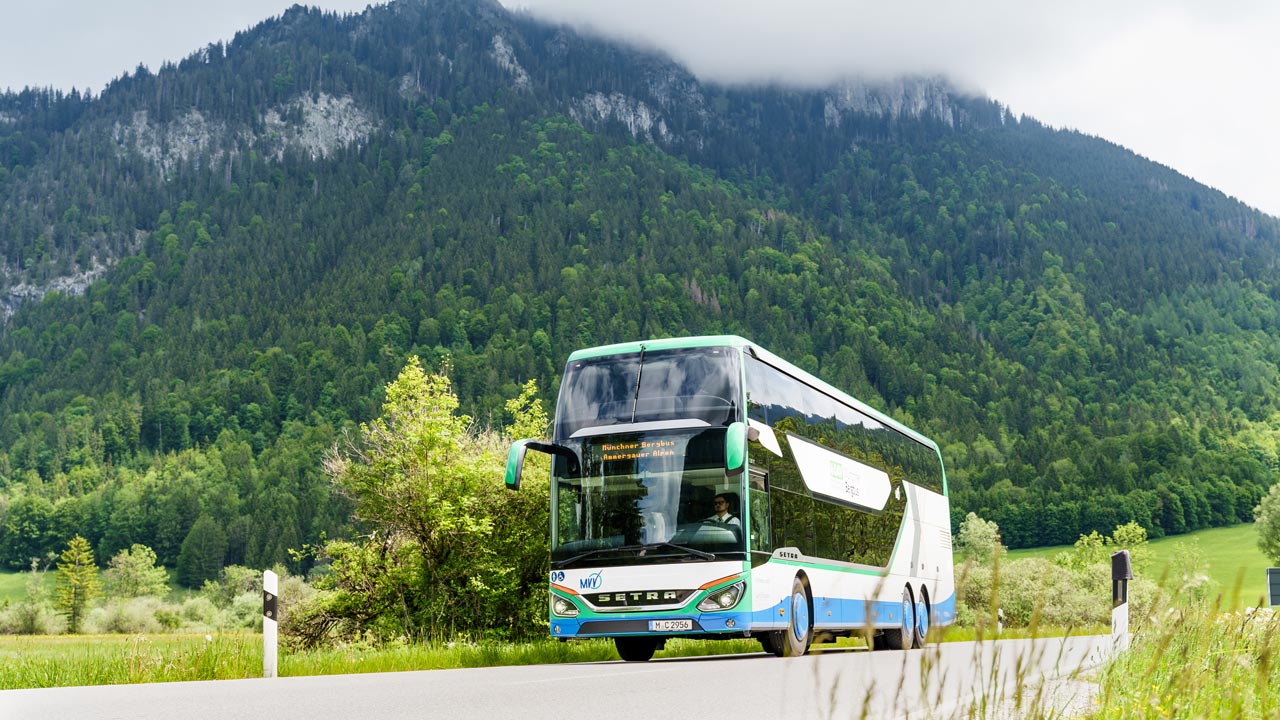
(209, 271)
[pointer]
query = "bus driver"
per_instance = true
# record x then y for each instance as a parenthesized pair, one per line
(722, 514)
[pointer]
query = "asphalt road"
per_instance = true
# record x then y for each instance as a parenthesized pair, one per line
(938, 682)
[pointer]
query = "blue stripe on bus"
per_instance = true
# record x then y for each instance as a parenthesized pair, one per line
(845, 614)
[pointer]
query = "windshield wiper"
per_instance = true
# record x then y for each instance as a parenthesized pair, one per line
(639, 548)
(687, 550)
(635, 399)
(591, 553)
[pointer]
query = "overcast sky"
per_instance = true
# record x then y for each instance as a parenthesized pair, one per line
(1191, 84)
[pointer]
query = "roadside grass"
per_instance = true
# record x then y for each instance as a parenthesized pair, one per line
(34, 661)
(1230, 554)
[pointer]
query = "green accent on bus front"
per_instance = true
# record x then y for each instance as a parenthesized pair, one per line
(735, 449)
(655, 345)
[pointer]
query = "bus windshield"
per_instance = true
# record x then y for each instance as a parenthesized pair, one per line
(647, 497)
(661, 385)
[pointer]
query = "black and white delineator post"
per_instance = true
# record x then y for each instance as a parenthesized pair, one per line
(269, 618)
(1121, 574)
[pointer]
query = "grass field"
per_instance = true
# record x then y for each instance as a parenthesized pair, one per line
(1231, 553)
(13, 585)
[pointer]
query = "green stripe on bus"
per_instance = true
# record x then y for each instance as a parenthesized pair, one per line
(664, 344)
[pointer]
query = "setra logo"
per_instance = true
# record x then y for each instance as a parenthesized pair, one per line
(590, 582)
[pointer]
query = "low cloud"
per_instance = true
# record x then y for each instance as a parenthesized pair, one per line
(1185, 83)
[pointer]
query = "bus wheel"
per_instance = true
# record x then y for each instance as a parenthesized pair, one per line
(796, 638)
(771, 642)
(920, 630)
(901, 637)
(635, 649)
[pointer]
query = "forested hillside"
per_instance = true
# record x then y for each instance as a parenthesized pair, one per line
(209, 272)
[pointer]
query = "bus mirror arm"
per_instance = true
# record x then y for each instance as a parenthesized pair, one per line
(515, 459)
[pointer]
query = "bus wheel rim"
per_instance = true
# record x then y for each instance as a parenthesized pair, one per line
(922, 618)
(799, 616)
(906, 616)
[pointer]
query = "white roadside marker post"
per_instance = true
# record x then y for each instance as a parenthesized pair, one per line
(1121, 574)
(269, 617)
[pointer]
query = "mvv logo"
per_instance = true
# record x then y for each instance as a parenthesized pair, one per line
(590, 582)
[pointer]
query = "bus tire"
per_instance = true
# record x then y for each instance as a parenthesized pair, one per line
(636, 649)
(799, 633)
(771, 642)
(902, 637)
(922, 621)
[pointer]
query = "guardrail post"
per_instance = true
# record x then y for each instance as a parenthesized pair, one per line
(1121, 574)
(270, 615)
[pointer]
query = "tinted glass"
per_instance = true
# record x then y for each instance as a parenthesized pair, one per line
(699, 383)
(640, 489)
(774, 398)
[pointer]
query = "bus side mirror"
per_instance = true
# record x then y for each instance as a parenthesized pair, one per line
(515, 463)
(515, 459)
(735, 449)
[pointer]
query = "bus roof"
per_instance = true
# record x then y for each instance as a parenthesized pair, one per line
(769, 358)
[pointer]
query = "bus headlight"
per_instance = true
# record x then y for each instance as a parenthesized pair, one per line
(724, 598)
(563, 608)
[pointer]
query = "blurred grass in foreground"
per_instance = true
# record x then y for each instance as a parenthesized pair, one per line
(1197, 662)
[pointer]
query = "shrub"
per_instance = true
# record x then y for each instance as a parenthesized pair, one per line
(245, 611)
(199, 613)
(31, 618)
(133, 616)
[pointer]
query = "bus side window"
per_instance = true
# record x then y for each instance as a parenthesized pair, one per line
(758, 482)
(761, 539)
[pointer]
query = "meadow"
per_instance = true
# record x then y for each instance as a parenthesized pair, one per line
(13, 586)
(1230, 555)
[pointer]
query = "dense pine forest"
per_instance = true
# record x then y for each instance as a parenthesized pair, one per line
(209, 273)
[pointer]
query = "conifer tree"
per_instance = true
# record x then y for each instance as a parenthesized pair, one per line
(202, 553)
(77, 582)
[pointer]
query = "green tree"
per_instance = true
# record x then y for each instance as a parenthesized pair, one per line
(1267, 518)
(979, 539)
(202, 553)
(27, 531)
(133, 573)
(423, 478)
(1132, 537)
(78, 582)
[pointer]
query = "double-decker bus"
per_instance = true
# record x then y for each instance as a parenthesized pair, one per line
(837, 517)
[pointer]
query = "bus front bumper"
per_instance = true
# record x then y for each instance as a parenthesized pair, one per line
(665, 625)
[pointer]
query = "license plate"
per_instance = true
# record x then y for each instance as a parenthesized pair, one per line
(670, 625)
